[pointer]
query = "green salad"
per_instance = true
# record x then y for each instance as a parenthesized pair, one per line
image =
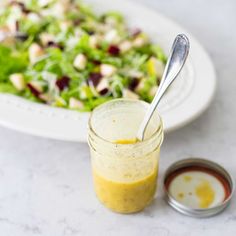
(59, 52)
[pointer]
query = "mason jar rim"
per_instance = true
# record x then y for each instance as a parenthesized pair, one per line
(137, 144)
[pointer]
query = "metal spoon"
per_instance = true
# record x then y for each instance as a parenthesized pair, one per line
(176, 60)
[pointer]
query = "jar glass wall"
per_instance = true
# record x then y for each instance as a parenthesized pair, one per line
(125, 175)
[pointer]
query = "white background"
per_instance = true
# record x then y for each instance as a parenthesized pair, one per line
(46, 187)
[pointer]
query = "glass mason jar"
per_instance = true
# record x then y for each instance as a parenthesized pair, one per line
(124, 172)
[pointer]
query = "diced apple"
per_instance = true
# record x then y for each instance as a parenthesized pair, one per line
(103, 84)
(135, 73)
(72, 41)
(103, 28)
(4, 29)
(75, 103)
(94, 41)
(34, 17)
(16, 12)
(80, 62)
(35, 52)
(129, 94)
(107, 70)
(111, 21)
(112, 36)
(18, 81)
(12, 25)
(153, 91)
(37, 85)
(125, 46)
(160, 67)
(45, 38)
(46, 97)
(9, 41)
(140, 41)
(44, 3)
(60, 8)
(140, 86)
(65, 25)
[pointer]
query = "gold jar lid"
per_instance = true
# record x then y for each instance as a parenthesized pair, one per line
(198, 187)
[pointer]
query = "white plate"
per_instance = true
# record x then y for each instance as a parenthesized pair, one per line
(188, 97)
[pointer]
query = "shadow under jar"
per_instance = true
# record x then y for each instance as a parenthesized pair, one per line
(124, 172)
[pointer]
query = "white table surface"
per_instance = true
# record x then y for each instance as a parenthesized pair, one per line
(46, 186)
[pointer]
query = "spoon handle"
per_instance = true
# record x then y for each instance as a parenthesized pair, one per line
(176, 60)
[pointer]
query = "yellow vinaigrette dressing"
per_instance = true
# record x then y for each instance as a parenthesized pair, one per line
(126, 141)
(126, 196)
(205, 193)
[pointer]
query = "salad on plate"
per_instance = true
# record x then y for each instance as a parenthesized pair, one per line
(59, 52)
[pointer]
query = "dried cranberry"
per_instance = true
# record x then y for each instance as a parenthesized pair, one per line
(104, 91)
(96, 62)
(135, 32)
(114, 50)
(133, 84)
(95, 78)
(55, 45)
(63, 82)
(33, 90)
(50, 43)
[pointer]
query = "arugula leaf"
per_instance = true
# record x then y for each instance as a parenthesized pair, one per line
(11, 62)
(7, 88)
